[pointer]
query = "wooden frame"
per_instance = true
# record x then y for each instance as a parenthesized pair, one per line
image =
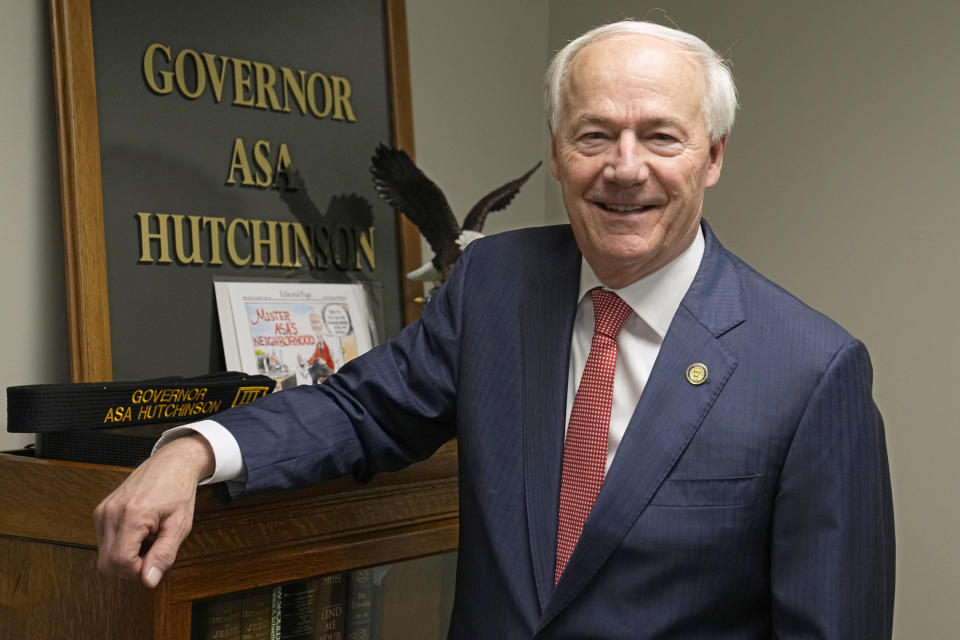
(81, 187)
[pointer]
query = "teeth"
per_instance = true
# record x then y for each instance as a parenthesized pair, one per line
(620, 208)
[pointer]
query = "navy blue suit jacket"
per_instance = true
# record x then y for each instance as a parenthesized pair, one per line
(755, 505)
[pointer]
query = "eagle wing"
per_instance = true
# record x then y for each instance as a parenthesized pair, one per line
(398, 181)
(495, 201)
(349, 210)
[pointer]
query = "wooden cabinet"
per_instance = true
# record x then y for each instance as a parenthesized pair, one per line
(50, 588)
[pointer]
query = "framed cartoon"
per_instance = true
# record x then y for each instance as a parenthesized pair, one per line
(222, 140)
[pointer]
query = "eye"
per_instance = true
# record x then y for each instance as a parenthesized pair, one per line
(593, 136)
(662, 137)
(592, 142)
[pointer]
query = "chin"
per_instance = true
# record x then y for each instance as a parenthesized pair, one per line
(624, 247)
(620, 259)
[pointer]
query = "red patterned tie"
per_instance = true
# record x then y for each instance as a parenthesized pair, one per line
(585, 449)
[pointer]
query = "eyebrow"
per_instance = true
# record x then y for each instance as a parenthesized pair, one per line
(592, 118)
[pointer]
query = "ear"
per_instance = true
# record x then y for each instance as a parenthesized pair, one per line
(554, 168)
(716, 162)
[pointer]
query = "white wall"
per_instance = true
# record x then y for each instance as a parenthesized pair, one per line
(839, 182)
(33, 346)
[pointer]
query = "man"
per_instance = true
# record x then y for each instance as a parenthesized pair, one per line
(320, 363)
(738, 484)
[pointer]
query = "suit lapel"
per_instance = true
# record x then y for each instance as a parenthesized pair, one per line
(547, 316)
(668, 415)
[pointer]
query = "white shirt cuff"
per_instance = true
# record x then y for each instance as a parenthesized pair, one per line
(228, 461)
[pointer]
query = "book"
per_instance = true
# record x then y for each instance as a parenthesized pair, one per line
(221, 618)
(360, 611)
(297, 609)
(330, 617)
(276, 612)
(313, 609)
(296, 333)
(258, 617)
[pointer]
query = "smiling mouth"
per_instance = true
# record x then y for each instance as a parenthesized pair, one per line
(624, 208)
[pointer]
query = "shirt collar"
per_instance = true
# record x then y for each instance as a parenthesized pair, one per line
(657, 297)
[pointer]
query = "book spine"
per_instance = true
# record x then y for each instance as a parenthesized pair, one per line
(222, 619)
(359, 616)
(297, 610)
(276, 611)
(257, 615)
(331, 607)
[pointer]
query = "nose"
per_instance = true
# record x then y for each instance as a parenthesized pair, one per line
(628, 161)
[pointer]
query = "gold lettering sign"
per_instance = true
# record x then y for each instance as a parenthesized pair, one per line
(268, 244)
(170, 404)
(254, 84)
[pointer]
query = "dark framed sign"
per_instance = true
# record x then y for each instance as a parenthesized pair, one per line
(222, 139)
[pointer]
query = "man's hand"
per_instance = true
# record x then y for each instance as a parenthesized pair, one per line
(155, 503)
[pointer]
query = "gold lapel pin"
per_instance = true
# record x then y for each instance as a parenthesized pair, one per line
(697, 373)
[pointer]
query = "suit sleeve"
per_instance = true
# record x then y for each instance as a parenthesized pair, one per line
(383, 410)
(832, 563)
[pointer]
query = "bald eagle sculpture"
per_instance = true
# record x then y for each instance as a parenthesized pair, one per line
(398, 181)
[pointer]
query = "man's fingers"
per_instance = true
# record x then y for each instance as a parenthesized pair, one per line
(163, 550)
(125, 537)
(157, 499)
(119, 537)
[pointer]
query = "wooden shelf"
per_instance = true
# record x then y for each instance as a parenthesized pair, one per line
(49, 586)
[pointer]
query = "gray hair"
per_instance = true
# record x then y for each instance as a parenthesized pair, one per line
(719, 105)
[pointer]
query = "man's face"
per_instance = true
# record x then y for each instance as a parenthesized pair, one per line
(632, 155)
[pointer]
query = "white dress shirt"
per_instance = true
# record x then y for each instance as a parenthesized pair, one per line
(654, 300)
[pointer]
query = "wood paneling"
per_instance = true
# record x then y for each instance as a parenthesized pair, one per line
(50, 588)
